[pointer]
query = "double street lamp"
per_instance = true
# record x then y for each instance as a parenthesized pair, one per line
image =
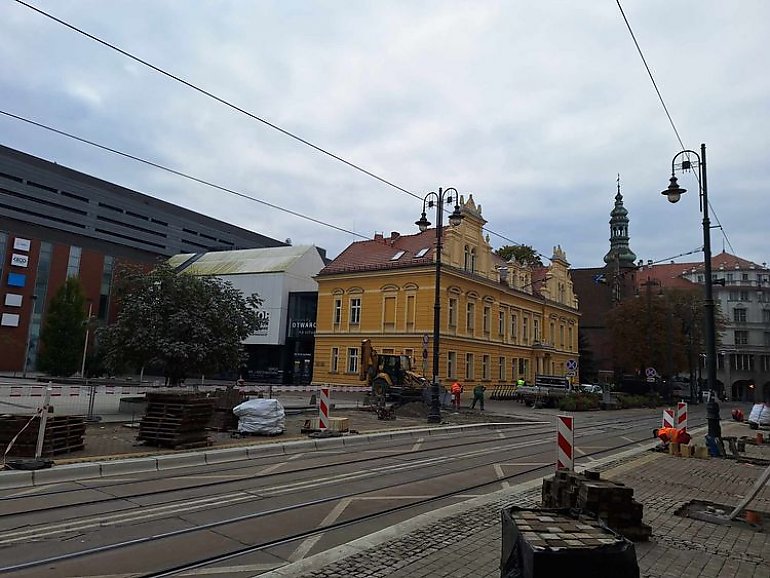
(437, 199)
(674, 193)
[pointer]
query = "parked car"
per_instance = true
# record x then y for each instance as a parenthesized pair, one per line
(759, 416)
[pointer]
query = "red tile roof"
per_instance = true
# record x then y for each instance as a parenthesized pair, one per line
(378, 253)
(671, 274)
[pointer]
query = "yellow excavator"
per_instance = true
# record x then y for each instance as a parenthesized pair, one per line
(390, 378)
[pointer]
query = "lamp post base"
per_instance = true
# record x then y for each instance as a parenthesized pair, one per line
(434, 414)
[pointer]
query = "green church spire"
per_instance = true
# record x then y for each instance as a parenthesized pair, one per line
(620, 253)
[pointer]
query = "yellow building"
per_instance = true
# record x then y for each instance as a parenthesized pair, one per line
(500, 321)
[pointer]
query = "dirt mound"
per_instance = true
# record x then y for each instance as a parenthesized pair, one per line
(412, 409)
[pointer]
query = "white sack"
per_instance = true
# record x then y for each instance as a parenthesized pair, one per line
(261, 416)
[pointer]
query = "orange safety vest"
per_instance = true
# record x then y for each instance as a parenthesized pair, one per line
(671, 434)
(456, 387)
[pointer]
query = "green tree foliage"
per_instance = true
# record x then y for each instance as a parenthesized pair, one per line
(588, 371)
(64, 330)
(186, 325)
(524, 254)
(660, 330)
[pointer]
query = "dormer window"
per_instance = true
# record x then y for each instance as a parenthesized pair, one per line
(397, 256)
(421, 252)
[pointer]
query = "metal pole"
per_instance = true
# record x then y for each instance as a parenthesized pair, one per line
(708, 306)
(434, 416)
(85, 343)
(43, 421)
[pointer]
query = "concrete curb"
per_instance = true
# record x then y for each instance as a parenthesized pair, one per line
(12, 479)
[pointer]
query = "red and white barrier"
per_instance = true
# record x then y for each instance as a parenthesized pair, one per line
(16, 391)
(681, 415)
(75, 391)
(565, 442)
(56, 391)
(109, 389)
(323, 409)
(669, 419)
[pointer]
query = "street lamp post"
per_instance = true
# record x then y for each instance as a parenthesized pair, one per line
(438, 199)
(674, 193)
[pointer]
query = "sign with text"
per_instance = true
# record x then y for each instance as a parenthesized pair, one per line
(21, 244)
(18, 260)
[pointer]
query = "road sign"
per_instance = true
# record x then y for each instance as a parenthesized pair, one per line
(572, 364)
(650, 372)
(571, 374)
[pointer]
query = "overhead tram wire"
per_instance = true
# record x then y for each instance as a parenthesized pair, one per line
(226, 103)
(219, 99)
(668, 115)
(181, 174)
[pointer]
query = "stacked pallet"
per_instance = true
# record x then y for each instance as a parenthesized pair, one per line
(63, 434)
(176, 420)
(223, 418)
(611, 502)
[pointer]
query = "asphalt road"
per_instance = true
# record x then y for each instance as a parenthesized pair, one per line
(269, 511)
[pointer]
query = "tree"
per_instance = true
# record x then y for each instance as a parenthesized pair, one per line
(185, 324)
(64, 330)
(588, 370)
(664, 331)
(524, 254)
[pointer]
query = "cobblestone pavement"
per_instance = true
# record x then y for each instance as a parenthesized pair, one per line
(464, 540)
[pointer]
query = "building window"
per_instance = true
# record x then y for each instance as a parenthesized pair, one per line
(523, 367)
(765, 363)
(501, 324)
(389, 313)
(741, 338)
(335, 360)
(766, 315)
(525, 329)
(352, 359)
(355, 311)
(742, 362)
(451, 364)
(73, 264)
(744, 296)
(514, 369)
(730, 278)
(39, 298)
(467, 262)
(337, 311)
(501, 369)
(106, 288)
(3, 243)
(570, 337)
(410, 312)
(767, 338)
(561, 336)
(552, 335)
(469, 366)
(739, 315)
(470, 317)
(452, 312)
(485, 369)
(514, 328)
(486, 319)
(536, 329)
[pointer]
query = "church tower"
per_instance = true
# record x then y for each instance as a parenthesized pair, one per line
(620, 254)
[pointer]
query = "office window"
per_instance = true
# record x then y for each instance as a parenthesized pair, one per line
(337, 311)
(355, 310)
(352, 359)
(486, 321)
(501, 368)
(334, 363)
(73, 264)
(452, 312)
(451, 365)
(485, 369)
(470, 317)
(469, 366)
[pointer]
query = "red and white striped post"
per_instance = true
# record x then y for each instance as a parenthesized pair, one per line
(681, 415)
(323, 409)
(565, 442)
(669, 419)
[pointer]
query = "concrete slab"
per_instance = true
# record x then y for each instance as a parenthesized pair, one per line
(10, 479)
(132, 466)
(226, 455)
(168, 462)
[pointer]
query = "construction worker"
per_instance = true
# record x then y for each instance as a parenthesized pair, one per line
(478, 395)
(520, 382)
(457, 390)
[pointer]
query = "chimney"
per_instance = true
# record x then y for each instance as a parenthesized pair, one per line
(378, 237)
(394, 235)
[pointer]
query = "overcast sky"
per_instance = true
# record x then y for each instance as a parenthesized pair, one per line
(533, 107)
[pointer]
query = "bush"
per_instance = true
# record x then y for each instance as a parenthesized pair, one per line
(626, 401)
(580, 402)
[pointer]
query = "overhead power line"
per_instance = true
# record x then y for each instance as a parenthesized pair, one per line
(227, 103)
(181, 174)
(668, 115)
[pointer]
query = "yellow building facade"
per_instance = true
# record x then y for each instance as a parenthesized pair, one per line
(499, 321)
